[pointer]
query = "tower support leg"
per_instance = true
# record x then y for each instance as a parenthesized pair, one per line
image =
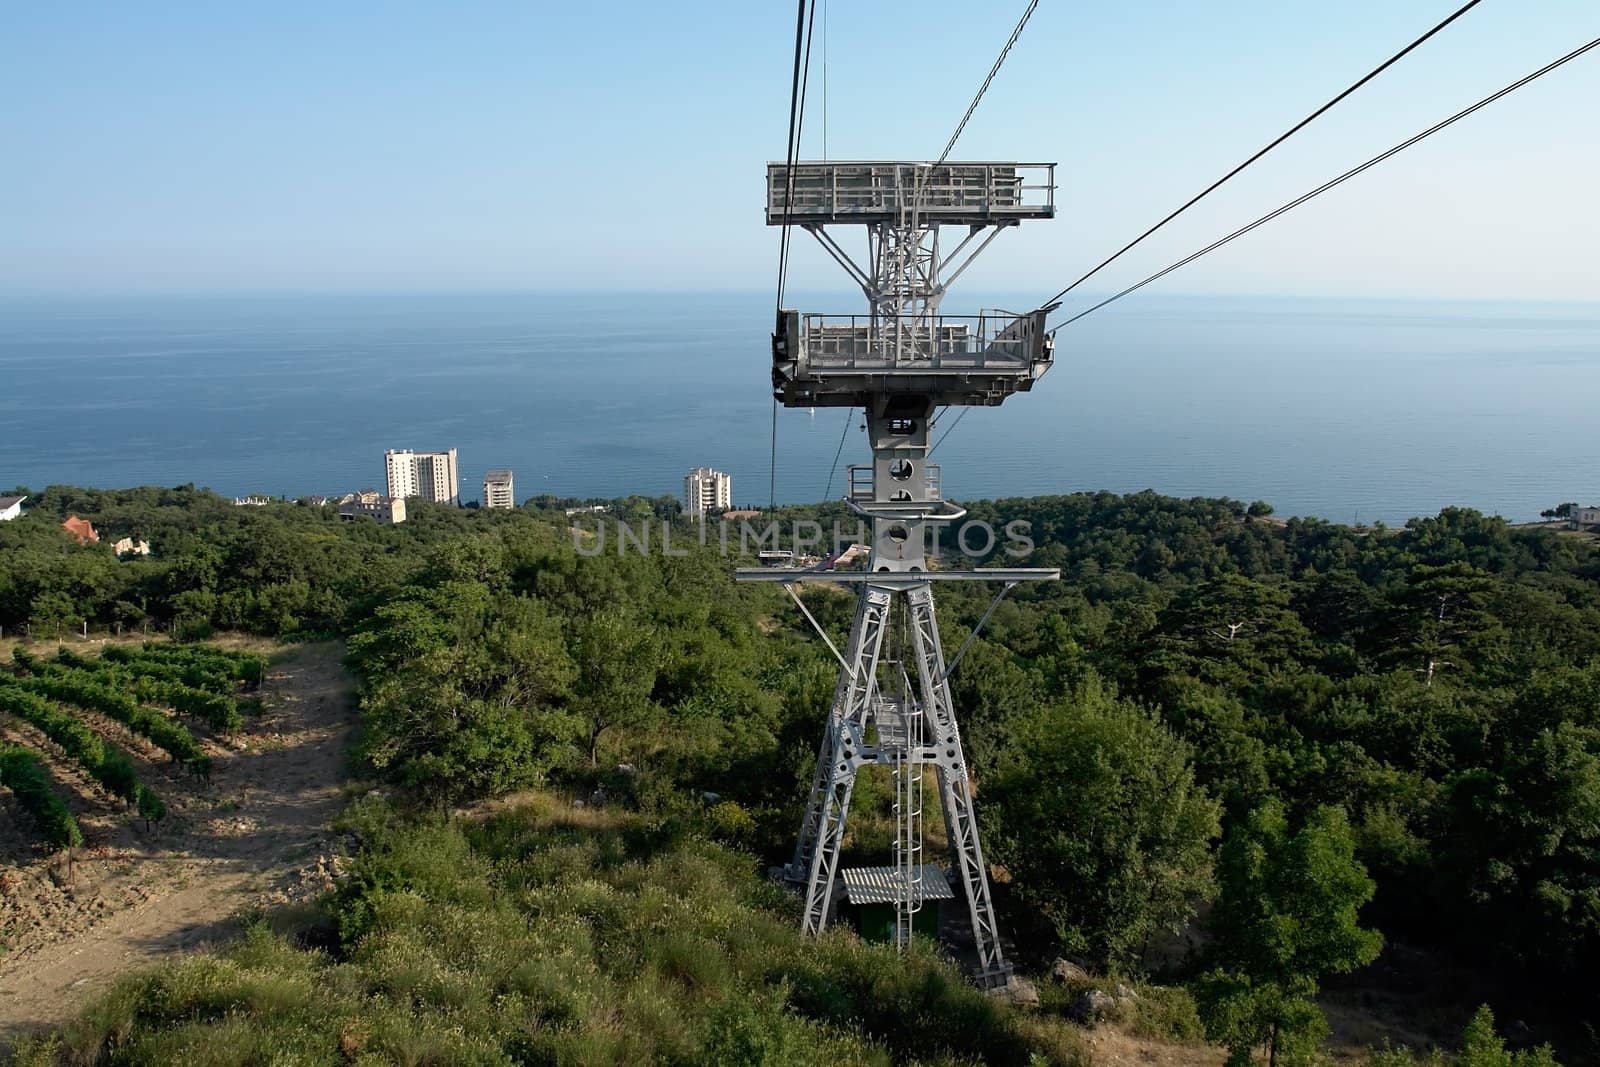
(955, 786)
(816, 856)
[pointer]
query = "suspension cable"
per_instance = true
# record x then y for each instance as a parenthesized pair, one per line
(916, 200)
(1341, 179)
(962, 125)
(844, 431)
(802, 59)
(797, 110)
(977, 98)
(824, 81)
(959, 416)
(1296, 128)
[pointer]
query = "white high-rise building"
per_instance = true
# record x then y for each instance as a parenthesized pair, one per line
(497, 491)
(430, 475)
(706, 490)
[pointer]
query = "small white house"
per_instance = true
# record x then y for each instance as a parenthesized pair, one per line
(10, 507)
(1580, 518)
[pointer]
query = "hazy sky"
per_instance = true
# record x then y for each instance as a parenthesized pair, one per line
(289, 146)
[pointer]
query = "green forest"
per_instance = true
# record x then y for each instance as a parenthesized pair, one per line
(1317, 750)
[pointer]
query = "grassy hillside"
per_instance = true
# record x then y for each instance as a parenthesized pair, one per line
(544, 934)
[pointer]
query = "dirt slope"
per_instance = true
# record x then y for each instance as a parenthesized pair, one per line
(256, 835)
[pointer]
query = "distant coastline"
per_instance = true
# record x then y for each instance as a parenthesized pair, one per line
(1353, 411)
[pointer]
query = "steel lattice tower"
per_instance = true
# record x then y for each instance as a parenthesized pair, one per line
(900, 363)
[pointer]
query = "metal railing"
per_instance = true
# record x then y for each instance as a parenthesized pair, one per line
(995, 340)
(844, 189)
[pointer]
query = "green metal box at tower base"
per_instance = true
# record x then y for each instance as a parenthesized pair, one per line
(876, 922)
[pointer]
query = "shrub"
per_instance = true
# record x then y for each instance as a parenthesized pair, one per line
(151, 808)
(21, 772)
(1481, 1046)
(1167, 1013)
(731, 823)
(219, 712)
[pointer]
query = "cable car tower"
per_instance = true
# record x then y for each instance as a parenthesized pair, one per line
(901, 362)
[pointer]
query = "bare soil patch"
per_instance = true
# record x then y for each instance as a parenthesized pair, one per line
(255, 836)
(1113, 1046)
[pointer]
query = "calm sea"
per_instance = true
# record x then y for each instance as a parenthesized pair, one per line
(1370, 410)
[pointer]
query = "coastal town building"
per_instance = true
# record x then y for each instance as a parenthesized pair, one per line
(743, 513)
(497, 490)
(82, 529)
(10, 507)
(1582, 517)
(254, 500)
(853, 558)
(368, 504)
(129, 547)
(429, 475)
(706, 490)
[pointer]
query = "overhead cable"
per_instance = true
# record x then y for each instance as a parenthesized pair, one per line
(797, 110)
(797, 104)
(962, 125)
(977, 98)
(849, 417)
(959, 416)
(1296, 128)
(1346, 176)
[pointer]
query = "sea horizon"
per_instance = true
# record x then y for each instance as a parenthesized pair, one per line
(1369, 409)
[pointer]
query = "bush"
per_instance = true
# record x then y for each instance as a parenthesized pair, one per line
(191, 629)
(731, 823)
(151, 808)
(1167, 1013)
(1481, 1046)
(21, 772)
(219, 712)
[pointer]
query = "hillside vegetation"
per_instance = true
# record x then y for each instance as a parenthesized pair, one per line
(544, 935)
(1364, 736)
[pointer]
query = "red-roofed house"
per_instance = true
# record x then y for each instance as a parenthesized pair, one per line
(82, 529)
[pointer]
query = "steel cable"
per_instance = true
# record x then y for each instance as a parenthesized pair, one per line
(1296, 128)
(1341, 179)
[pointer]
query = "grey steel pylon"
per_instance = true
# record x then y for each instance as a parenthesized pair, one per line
(900, 363)
(895, 710)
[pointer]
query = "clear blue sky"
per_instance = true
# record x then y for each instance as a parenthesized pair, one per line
(289, 146)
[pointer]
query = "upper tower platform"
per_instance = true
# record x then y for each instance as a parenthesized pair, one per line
(903, 347)
(951, 194)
